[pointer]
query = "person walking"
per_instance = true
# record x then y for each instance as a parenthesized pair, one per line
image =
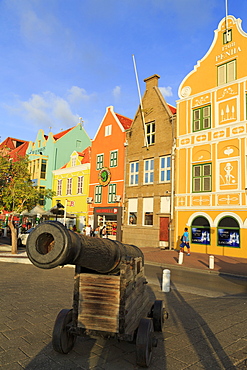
(185, 241)
(103, 232)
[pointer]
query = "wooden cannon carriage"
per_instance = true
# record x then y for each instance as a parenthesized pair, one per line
(111, 297)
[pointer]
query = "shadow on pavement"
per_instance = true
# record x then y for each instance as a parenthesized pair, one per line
(94, 352)
(199, 343)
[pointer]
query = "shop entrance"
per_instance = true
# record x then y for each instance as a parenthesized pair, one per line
(110, 217)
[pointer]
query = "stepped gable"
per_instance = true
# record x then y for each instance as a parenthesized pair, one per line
(125, 121)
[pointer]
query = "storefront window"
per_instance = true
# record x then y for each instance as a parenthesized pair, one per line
(148, 218)
(200, 231)
(132, 218)
(228, 233)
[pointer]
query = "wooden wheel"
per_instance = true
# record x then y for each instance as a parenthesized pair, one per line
(62, 340)
(158, 315)
(144, 342)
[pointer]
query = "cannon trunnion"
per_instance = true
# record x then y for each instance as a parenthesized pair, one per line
(111, 299)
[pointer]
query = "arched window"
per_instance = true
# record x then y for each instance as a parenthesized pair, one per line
(228, 233)
(200, 229)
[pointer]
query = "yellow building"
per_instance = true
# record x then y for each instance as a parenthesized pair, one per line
(71, 184)
(212, 148)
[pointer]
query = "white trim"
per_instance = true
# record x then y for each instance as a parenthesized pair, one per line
(198, 214)
(63, 171)
(109, 109)
(228, 214)
(216, 32)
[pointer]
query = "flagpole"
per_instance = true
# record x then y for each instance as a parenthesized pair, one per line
(226, 2)
(65, 211)
(139, 93)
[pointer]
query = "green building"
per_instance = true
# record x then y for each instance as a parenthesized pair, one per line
(50, 152)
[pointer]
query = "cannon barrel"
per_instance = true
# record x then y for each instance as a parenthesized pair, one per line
(51, 244)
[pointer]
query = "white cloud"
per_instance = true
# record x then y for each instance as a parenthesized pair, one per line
(46, 110)
(166, 91)
(116, 91)
(33, 27)
(78, 95)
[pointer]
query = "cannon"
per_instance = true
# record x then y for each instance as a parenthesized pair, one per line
(110, 299)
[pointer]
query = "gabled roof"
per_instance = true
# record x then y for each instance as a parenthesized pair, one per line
(18, 152)
(172, 108)
(86, 154)
(125, 121)
(12, 143)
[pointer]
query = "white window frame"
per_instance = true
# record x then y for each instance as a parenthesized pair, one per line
(99, 161)
(59, 187)
(134, 173)
(80, 184)
(112, 191)
(148, 172)
(69, 186)
(114, 158)
(150, 136)
(223, 72)
(132, 210)
(165, 169)
(108, 130)
(148, 208)
(98, 194)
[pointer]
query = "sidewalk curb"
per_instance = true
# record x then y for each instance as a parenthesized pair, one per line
(18, 258)
(200, 271)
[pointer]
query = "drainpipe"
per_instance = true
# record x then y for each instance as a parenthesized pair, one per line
(172, 183)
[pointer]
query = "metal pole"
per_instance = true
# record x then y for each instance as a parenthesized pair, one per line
(139, 93)
(226, 13)
(65, 210)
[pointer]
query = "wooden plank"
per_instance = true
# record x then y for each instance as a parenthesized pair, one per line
(99, 301)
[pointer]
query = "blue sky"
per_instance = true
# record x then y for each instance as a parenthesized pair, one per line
(65, 59)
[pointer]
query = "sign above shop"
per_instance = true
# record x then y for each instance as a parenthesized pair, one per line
(104, 176)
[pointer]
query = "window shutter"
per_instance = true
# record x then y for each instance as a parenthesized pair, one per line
(206, 170)
(197, 184)
(206, 184)
(231, 68)
(222, 74)
(197, 171)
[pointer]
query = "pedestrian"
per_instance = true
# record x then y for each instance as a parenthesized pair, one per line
(185, 241)
(88, 230)
(96, 232)
(103, 232)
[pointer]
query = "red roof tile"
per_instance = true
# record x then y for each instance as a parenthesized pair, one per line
(18, 152)
(11, 143)
(62, 133)
(86, 154)
(173, 109)
(125, 122)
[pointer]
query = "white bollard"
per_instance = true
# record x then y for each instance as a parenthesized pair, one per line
(5, 232)
(166, 281)
(180, 258)
(211, 262)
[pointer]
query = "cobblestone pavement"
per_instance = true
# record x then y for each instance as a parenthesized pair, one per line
(200, 333)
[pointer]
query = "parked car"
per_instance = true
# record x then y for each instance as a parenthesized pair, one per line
(22, 237)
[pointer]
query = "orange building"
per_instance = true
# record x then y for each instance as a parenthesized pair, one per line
(106, 188)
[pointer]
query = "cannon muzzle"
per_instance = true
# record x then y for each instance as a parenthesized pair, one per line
(51, 244)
